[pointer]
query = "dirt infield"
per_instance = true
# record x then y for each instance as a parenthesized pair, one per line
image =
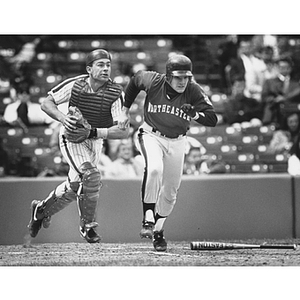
(134, 270)
(143, 254)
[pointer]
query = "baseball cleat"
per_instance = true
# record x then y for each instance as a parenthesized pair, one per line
(46, 222)
(88, 233)
(159, 242)
(147, 230)
(34, 224)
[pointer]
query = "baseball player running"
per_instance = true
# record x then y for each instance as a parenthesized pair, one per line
(95, 102)
(172, 101)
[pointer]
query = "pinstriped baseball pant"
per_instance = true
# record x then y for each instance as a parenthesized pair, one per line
(76, 154)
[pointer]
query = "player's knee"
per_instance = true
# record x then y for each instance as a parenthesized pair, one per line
(154, 172)
(91, 178)
(74, 185)
(171, 201)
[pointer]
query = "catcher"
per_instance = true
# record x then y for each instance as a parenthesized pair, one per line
(95, 102)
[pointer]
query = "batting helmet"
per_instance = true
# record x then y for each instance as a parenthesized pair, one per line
(179, 65)
(97, 54)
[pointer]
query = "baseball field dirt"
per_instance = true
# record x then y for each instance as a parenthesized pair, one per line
(143, 254)
(130, 270)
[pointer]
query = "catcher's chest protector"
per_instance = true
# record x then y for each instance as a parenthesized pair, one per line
(95, 107)
(89, 192)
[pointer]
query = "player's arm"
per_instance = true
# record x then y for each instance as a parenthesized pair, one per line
(58, 95)
(201, 109)
(50, 108)
(206, 118)
(134, 87)
(204, 112)
(114, 132)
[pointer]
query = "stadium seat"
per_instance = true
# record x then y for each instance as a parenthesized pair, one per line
(233, 135)
(290, 107)
(247, 148)
(39, 131)
(238, 158)
(218, 130)
(29, 144)
(228, 149)
(248, 168)
(14, 132)
(44, 158)
(212, 143)
(251, 131)
(278, 168)
(13, 142)
(3, 131)
(219, 102)
(265, 134)
(198, 131)
(4, 101)
(275, 162)
(271, 158)
(250, 139)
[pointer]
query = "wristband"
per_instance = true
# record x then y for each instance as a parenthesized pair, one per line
(93, 133)
(102, 133)
(196, 116)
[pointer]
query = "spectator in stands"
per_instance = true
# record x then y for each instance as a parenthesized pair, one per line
(267, 56)
(24, 113)
(54, 139)
(56, 126)
(294, 159)
(192, 161)
(227, 51)
(126, 165)
(26, 54)
(112, 145)
(279, 91)
(197, 161)
(284, 138)
(246, 67)
(105, 161)
(240, 108)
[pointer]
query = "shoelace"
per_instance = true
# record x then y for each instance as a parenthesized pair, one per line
(158, 236)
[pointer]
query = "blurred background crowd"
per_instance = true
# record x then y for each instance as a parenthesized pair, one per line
(252, 80)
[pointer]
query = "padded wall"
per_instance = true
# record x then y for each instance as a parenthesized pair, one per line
(296, 200)
(208, 207)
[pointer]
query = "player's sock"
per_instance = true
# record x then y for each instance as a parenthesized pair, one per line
(159, 222)
(148, 209)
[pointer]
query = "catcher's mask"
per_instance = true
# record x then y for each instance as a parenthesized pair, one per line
(97, 54)
(178, 65)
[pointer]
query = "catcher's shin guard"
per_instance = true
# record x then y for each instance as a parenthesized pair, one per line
(41, 211)
(54, 204)
(88, 193)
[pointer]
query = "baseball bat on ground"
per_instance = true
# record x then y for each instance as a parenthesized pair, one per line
(232, 246)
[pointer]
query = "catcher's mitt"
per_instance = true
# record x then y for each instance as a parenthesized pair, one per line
(83, 127)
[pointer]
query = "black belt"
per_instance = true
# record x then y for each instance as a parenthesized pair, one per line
(158, 133)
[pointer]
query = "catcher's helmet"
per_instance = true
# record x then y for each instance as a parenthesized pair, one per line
(179, 65)
(97, 54)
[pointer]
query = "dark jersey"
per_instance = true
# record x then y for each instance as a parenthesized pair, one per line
(162, 112)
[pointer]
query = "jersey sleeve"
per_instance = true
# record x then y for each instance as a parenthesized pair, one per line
(203, 106)
(62, 92)
(141, 81)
